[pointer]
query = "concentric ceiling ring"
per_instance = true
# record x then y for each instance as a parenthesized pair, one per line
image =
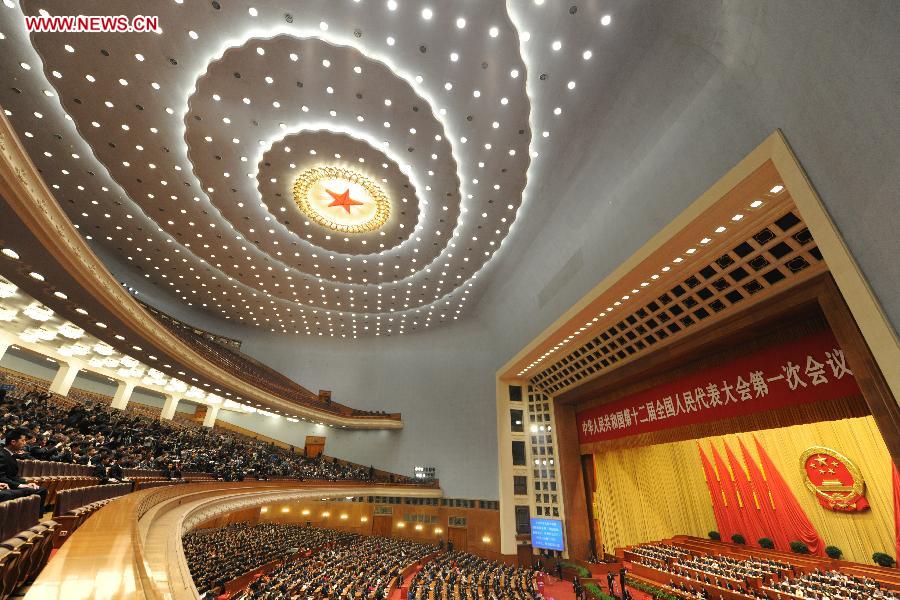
(249, 265)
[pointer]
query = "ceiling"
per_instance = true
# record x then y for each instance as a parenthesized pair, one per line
(177, 151)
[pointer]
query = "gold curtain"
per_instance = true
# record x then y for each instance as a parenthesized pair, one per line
(655, 492)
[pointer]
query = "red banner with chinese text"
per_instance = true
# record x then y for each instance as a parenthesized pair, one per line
(805, 370)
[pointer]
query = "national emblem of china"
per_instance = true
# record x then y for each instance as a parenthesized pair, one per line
(837, 483)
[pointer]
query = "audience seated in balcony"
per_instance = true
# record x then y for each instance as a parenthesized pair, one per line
(88, 433)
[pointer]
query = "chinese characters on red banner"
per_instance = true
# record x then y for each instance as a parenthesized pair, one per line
(805, 370)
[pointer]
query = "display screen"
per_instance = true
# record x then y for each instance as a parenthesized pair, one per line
(547, 534)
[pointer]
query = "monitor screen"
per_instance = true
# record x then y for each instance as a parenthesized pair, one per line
(547, 534)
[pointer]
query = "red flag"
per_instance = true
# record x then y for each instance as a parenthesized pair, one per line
(734, 505)
(752, 509)
(766, 503)
(718, 499)
(790, 514)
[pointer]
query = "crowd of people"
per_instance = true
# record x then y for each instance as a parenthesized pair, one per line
(702, 576)
(828, 585)
(92, 433)
(660, 554)
(216, 556)
(356, 568)
(463, 576)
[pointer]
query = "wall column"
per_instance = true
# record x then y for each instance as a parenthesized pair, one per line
(123, 395)
(211, 413)
(169, 407)
(64, 378)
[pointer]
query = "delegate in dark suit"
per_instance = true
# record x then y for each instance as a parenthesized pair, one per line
(9, 468)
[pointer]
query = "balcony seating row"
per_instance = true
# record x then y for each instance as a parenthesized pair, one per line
(26, 543)
(74, 506)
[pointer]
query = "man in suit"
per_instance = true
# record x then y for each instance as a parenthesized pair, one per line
(14, 443)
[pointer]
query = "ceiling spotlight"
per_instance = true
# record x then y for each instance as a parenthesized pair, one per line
(427, 13)
(587, 55)
(390, 41)
(460, 23)
(514, 73)
(493, 32)
(454, 57)
(605, 20)
(571, 85)
(253, 12)
(323, 25)
(392, 5)
(556, 45)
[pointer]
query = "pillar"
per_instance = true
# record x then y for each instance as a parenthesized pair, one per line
(211, 413)
(123, 395)
(64, 378)
(169, 407)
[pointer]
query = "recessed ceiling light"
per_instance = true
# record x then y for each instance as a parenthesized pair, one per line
(427, 13)
(720, 229)
(756, 204)
(390, 41)
(35, 275)
(776, 189)
(323, 25)
(556, 45)
(460, 23)
(60, 295)
(737, 217)
(605, 20)
(493, 32)
(514, 73)
(571, 85)
(454, 57)
(253, 12)
(193, 35)
(557, 111)
(10, 253)
(392, 4)
(587, 54)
